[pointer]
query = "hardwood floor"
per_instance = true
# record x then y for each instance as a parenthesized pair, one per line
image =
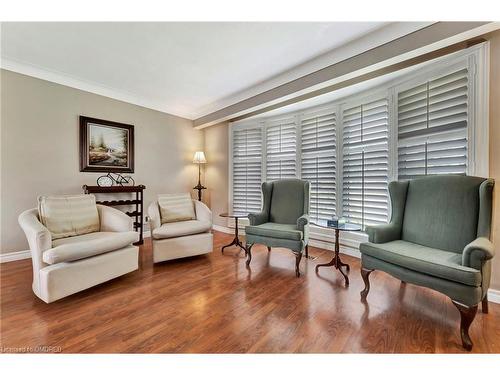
(213, 304)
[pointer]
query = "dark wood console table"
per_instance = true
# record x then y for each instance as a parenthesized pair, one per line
(138, 202)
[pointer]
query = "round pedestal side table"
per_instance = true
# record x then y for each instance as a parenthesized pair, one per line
(236, 241)
(336, 261)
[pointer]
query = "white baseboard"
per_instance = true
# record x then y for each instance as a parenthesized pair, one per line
(16, 255)
(223, 229)
(494, 295)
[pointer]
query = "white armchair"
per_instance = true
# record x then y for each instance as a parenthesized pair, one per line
(181, 238)
(64, 266)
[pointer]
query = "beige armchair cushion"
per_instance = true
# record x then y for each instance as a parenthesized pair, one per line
(87, 245)
(70, 215)
(181, 228)
(176, 207)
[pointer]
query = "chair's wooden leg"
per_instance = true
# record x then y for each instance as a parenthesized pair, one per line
(249, 253)
(484, 304)
(269, 248)
(298, 257)
(365, 274)
(467, 315)
(307, 251)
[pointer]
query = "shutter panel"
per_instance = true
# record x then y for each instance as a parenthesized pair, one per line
(281, 150)
(318, 165)
(365, 166)
(247, 170)
(432, 127)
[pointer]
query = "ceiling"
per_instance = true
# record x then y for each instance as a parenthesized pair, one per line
(181, 68)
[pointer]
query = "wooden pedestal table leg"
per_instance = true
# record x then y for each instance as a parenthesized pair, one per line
(236, 240)
(336, 262)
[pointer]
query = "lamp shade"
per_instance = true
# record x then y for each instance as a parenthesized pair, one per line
(199, 157)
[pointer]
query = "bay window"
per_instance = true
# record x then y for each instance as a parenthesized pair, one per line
(430, 120)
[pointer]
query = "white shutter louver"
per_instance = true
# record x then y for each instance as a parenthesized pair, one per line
(281, 150)
(432, 127)
(318, 148)
(365, 164)
(247, 170)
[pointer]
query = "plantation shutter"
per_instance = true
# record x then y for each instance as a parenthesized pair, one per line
(365, 164)
(247, 160)
(432, 127)
(281, 150)
(318, 164)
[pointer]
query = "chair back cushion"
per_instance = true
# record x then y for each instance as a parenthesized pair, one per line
(287, 201)
(176, 207)
(69, 215)
(442, 211)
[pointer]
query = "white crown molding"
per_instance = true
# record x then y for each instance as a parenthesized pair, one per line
(92, 87)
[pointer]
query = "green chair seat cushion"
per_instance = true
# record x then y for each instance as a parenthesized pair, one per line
(419, 258)
(275, 230)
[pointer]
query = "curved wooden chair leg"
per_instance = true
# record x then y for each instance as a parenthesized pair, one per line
(365, 274)
(307, 251)
(484, 304)
(298, 257)
(249, 254)
(467, 315)
(269, 248)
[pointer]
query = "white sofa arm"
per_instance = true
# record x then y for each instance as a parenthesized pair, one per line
(113, 220)
(39, 237)
(154, 216)
(203, 213)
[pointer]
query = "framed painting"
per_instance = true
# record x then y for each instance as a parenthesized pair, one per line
(106, 146)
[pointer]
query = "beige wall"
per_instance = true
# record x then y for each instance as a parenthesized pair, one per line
(495, 149)
(216, 172)
(39, 147)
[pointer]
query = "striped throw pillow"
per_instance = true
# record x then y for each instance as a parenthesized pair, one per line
(176, 207)
(69, 215)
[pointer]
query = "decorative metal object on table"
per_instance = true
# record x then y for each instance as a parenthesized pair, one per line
(138, 202)
(337, 226)
(199, 158)
(112, 179)
(236, 240)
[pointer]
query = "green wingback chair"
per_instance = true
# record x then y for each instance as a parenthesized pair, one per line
(284, 219)
(438, 237)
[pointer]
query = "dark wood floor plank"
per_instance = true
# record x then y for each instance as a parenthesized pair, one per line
(214, 304)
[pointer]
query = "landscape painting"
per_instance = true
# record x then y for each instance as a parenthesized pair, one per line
(105, 146)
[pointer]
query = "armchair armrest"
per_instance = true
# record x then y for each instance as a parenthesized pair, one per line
(257, 218)
(113, 220)
(383, 233)
(477, 252)
(203, 213)
(38, 236)
(154, 216)
(303, 225)
(302, 222)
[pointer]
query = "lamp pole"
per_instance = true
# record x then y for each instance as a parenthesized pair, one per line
(199, 158)
(199, 187)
